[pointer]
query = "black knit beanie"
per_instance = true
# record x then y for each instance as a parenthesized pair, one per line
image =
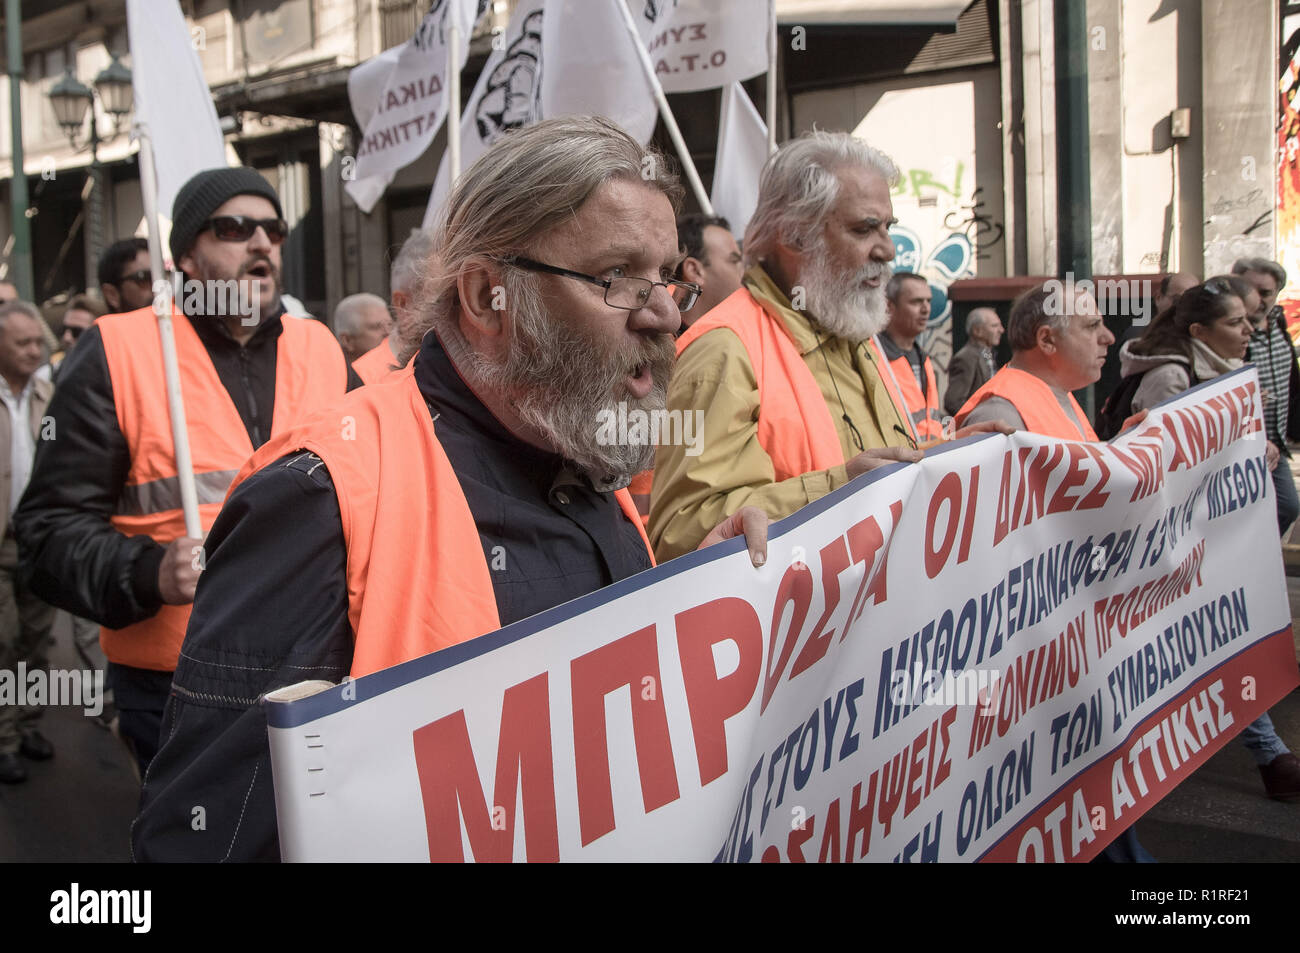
(204, 194)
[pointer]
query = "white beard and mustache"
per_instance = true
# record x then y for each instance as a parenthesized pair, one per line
(843, 307)
(559, 382)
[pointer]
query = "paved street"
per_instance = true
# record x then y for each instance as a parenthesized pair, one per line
(78, 807)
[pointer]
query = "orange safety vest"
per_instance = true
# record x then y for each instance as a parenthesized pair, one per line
(375, 363)
(421, 531)
(310, 372)
(640, 488)
(1034, 401)
(795, 427)
(900, 381)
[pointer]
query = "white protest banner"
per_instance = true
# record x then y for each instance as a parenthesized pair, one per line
(169, 89)
(742, 151)
(1009, 651)
(702, 44)
(399, 100)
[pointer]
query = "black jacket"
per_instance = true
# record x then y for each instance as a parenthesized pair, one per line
(71, 556)
(272, 607)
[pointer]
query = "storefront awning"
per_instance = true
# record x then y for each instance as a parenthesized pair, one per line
(935, 13)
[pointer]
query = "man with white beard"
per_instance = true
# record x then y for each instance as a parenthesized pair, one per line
(784, 368)
(466, 491)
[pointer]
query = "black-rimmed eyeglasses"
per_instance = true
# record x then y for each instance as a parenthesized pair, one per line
(627, 293)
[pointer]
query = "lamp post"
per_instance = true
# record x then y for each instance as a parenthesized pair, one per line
(71, 99)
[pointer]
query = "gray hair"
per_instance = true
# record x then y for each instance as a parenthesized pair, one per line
(800, 183)
(409, 265)
(895, 283)
(348, 314)
(1031, 311)
(530, 181)
(976, 318)
(18, 306)
(1267, 266)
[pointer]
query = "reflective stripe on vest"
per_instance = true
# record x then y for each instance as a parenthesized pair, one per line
(1034, 402)
(922, 409)
(310, 373)
(795, 428)
(423, 530)
(375, 364)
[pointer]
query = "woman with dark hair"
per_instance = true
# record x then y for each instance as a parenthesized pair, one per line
(1204, 335)
(1201, 337)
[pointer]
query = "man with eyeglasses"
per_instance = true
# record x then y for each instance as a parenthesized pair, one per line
(468, 490)
(101, 528)
(124, 277)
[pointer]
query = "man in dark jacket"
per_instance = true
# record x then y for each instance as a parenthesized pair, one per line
(86, 541)
(1273, 355)
(973, 365)
(553, 302)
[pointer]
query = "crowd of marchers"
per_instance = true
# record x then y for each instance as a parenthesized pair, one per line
(354, 487)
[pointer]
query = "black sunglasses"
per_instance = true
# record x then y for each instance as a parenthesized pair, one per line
(73, 330)
(240, 228)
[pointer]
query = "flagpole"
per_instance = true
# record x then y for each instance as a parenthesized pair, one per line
(771, 75)
(453, 94)
(688, 165)
(163, 309)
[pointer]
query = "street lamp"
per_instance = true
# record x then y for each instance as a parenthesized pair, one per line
(71, 99)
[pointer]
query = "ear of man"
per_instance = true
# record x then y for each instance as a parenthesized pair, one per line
(479, 287)
(111, 298)
(1045, 338)
(693, 270)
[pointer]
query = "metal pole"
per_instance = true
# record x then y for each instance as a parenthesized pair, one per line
(95, 208)
(20, 260)
(1073, 190)
(771, 76)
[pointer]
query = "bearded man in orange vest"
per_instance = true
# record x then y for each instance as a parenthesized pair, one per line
(472, 488)
(796, 405)
(1059, 343)
(907, 369)
(101, 529)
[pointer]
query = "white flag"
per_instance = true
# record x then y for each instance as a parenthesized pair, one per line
(592, 67)
(742, 150)
(703, 44)
(172, 99)
(401, 116)
(506, 96)
(557, 58)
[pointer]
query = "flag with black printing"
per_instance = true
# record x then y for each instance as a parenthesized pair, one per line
(399, 97)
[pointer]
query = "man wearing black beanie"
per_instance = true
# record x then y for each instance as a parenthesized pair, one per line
(101, 530)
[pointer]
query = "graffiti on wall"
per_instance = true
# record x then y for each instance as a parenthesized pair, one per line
(1288, 166)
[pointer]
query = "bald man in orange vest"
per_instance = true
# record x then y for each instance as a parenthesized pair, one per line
(1059, 342)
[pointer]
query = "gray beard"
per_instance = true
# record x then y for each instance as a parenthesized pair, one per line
(560, 386)
(844, 308)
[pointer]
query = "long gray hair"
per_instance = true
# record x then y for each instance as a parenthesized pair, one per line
(528, 182)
